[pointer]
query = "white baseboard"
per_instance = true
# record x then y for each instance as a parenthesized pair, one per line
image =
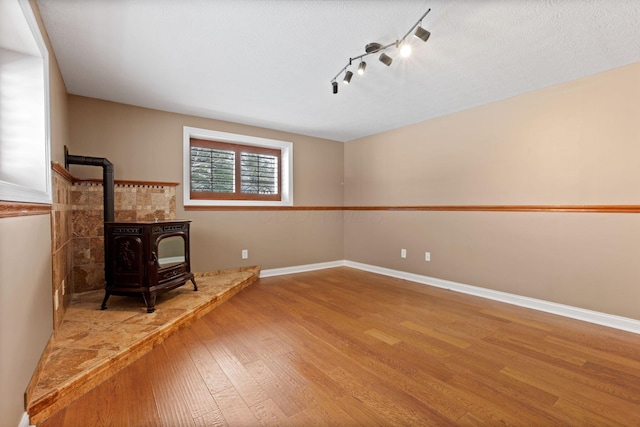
(24, 421)
(604, 319)
(301, 268)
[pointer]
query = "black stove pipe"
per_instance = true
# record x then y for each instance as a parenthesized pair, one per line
(108, 183)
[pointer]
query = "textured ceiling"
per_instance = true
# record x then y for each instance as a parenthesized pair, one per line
(269, 63)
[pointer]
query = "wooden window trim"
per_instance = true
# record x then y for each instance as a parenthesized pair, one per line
(237, 149)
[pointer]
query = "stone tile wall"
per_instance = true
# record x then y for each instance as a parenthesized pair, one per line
(61, 244)
(133, 202)
(77, 244)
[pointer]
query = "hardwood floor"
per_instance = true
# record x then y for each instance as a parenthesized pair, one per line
(346, 347)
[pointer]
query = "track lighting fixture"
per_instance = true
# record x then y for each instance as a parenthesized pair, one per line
(422, 34)
(385, 59)
(362, 67)
(374, 47)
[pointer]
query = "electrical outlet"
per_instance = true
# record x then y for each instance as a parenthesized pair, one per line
(403, 253)
(55, 300)
(427, 256)
(245, 253)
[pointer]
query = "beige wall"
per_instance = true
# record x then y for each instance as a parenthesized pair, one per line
(146, 144)
(576, 143)
(59, 135)
(58, 105)
(26, 315)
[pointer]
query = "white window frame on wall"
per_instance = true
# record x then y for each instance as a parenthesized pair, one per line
(286, 149)
(28, 155)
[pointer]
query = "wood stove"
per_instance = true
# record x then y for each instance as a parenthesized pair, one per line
(140, 258)
(146, 258)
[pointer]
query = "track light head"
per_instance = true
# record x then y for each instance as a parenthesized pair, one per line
(347, 77)
(362, 67)
(422, 34)
(405, 50)
(385, 59)
(335, 86)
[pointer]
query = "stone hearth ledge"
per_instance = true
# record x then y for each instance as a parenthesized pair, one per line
(91, 345)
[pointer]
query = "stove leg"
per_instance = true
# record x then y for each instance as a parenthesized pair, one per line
(150, 301)
(104, 301)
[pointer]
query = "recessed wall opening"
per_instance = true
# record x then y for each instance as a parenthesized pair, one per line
(24, 107)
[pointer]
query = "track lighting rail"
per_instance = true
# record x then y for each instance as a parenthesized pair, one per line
(372, 48)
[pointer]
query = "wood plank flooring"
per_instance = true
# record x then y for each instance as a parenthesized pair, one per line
(346, 347)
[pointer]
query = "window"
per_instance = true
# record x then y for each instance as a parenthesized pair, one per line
(236, 170)
(220, 170)
(25, 167)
